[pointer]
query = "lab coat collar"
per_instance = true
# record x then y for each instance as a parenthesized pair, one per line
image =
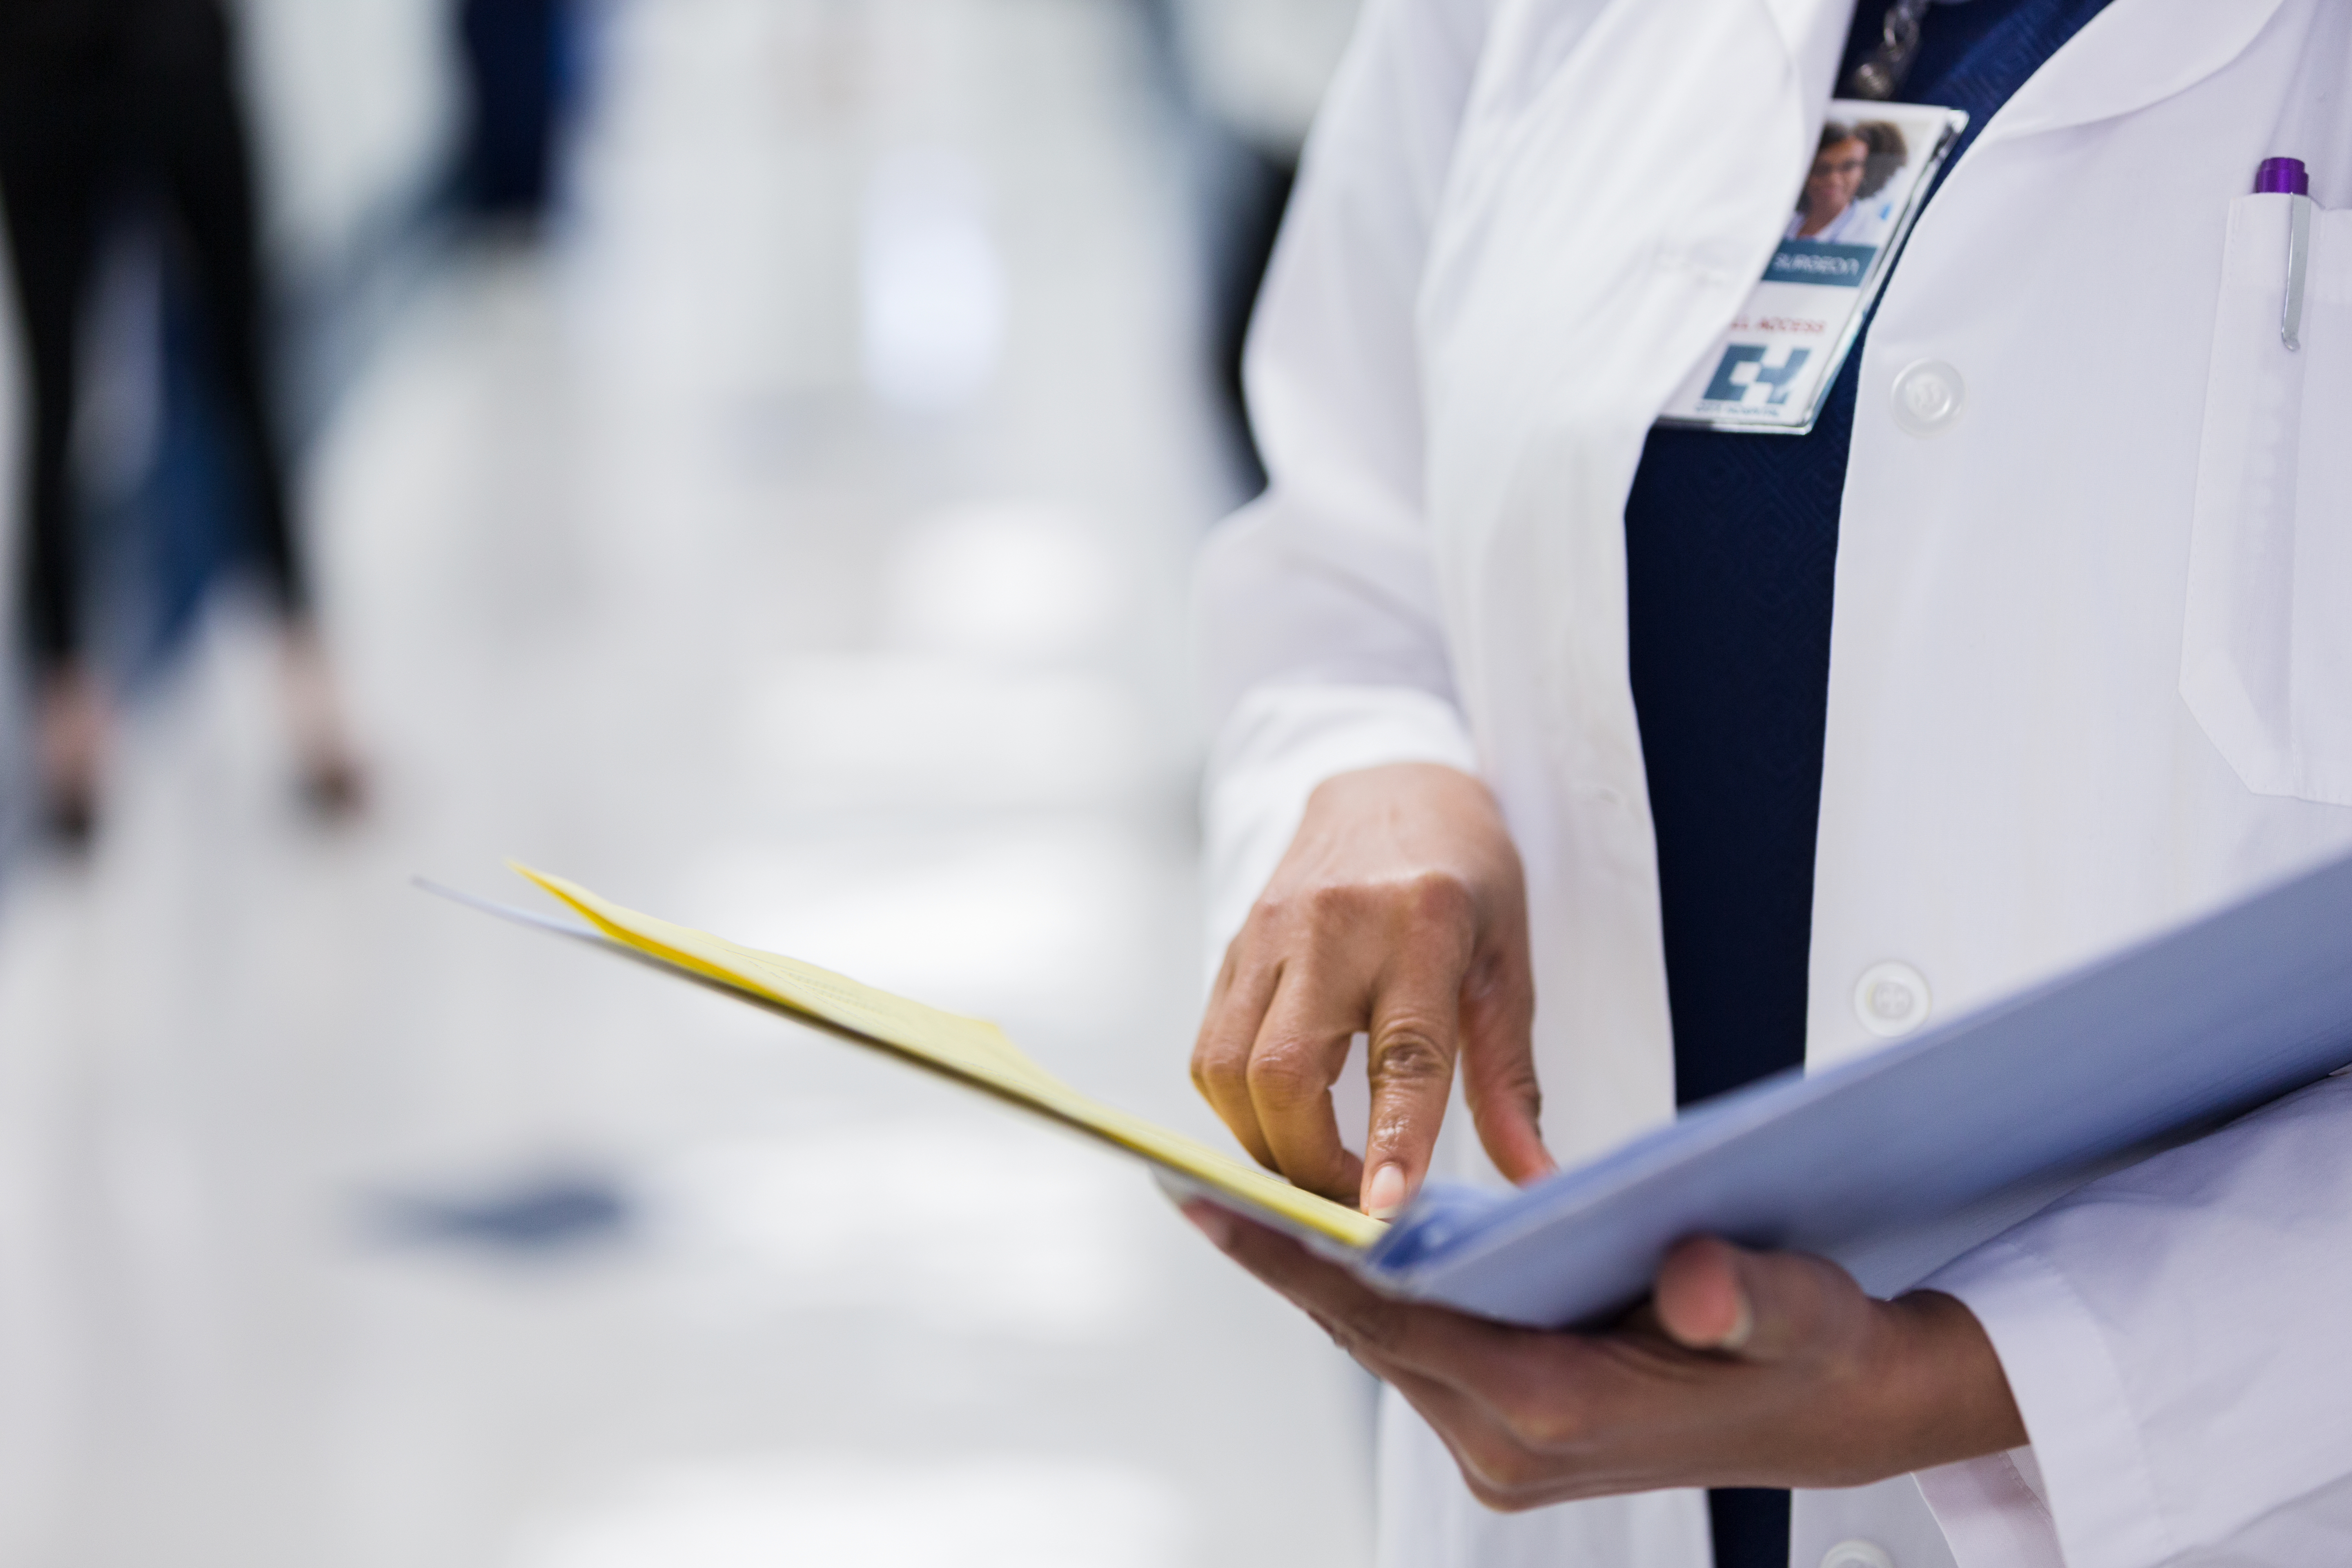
(1815, 33)
(1532, 38)
(2133, 54)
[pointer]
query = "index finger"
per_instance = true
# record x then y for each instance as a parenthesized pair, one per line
(1415, 1028)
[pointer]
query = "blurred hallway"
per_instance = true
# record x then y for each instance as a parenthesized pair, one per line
(795, 546)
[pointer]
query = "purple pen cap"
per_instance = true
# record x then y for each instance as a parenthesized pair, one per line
(2281, 177)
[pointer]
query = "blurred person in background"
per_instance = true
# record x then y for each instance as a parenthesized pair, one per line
(107, 108)
(514, 53)
(1257, 70)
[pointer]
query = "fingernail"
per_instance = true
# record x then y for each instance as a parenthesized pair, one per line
(1386, 1194)
(1211, 1222)
(1743, 1327)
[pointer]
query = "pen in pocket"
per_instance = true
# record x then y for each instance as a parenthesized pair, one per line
(2287, 177)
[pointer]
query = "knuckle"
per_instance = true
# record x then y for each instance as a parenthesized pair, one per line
(1212, 1074)
(1434, 897)
(1216, 1065)
(1499, 1077)
(1518, 1078)
(1420, 900)
(1490, 1496)
(1520, 1088)
(1285, 1074)
(1548, 1404)
(1506, 1480)
(1333, 903)
(1542, 1422)
(1407, 1052)
(1271, 913)
(1498, 980)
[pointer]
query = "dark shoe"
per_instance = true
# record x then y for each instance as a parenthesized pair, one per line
(332, 786)
(69, 819)
(333, 789)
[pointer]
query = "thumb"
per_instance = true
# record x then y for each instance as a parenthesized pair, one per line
(1761, 1306)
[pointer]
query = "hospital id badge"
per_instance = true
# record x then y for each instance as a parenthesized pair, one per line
(1872, 170)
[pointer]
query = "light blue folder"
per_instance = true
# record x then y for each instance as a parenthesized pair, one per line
(1894, 1161)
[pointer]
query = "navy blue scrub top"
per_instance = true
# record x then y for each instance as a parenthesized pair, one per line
(1730, 552)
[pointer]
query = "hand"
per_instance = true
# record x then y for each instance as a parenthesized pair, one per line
(1745, 1369)
(1399, 910)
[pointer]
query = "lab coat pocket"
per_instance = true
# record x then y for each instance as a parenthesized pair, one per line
(2267, 649)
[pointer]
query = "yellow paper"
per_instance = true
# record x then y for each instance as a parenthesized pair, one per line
(976, 1052)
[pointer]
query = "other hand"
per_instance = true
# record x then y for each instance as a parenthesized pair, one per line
(1745, 1369)
(1400, 910)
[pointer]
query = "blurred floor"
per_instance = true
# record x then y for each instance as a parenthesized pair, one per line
(795, 547)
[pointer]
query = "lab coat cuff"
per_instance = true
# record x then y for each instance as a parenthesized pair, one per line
(1278, 744)
(2099, 1492)
(1990, 1513)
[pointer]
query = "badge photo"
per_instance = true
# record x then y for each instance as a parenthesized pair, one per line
(1872, 168)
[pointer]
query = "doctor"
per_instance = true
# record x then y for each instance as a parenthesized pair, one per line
(1563, 756)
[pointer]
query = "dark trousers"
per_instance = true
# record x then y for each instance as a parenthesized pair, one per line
(153, 123)
(513, 57)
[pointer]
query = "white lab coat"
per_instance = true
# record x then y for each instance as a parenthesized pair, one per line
(2091, 666)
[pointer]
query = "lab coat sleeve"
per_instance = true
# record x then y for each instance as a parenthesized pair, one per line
(2174, 1336)
(1316, 608)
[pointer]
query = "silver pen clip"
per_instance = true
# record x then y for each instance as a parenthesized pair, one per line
(2298, 259)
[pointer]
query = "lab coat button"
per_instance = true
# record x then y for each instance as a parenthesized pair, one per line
(1857, 1554)
(1928, 396)
(1891, 999)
